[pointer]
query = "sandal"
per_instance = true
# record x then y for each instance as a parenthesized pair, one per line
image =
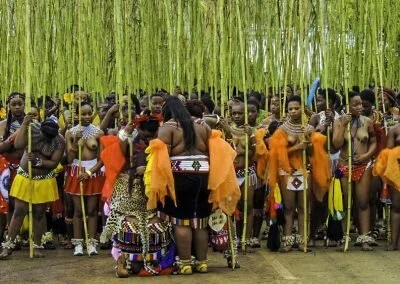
(8, 247)
(184, 267)
(364, 241)
(201, 266)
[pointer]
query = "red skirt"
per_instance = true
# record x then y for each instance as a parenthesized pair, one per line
(91, 186)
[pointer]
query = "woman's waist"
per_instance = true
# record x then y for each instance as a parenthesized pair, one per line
(36, 173)
(84, 164)
(190, 163)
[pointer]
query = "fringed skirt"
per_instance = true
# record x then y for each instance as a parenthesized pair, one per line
(92, 186)
(130, 240)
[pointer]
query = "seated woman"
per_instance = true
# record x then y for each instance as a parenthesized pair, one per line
(138, 234)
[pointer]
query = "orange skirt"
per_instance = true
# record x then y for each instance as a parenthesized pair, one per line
(91, 186)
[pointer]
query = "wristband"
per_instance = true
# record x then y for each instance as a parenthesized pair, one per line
(89, 173)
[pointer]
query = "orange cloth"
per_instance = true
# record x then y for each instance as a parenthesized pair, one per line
(387, 167)
(114, 160)
(320, 164)
(279, 158)
(261, 154)
(222, 182)
(158, 178)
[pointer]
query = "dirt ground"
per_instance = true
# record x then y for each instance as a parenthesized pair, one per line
(322, 265)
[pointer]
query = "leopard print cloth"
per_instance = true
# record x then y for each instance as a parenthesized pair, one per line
(125, 204)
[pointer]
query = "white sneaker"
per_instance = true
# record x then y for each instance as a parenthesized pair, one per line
(92, 247)
(78, 248)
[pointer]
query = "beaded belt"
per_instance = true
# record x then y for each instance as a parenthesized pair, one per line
(190, 164)
(23, 173)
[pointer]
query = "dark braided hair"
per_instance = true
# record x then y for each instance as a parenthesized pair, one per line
(13, 95)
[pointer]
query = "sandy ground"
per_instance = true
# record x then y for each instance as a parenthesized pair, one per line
(322, 265)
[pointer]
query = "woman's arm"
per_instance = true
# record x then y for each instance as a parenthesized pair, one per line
(339, 130)
(71, 146)
(108, 118)
(391, 136)
(21, 138)
(165, 135)
(55, 159)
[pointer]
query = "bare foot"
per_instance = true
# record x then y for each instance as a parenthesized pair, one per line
(5, 253)
(301, 248)
(38, 253)
(285, 249)
(390, 247)
(311, 243)
(366, 247)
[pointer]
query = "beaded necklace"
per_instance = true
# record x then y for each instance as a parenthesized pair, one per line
(88, 132)
(292, 129)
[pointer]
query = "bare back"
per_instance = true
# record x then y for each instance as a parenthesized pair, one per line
(171, 134)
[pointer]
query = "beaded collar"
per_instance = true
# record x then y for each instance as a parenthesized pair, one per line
(292, 129)
(89, 131)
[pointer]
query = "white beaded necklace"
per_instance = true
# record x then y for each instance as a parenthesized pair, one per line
(89, 131)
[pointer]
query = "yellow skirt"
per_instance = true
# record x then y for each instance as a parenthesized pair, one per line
(42, 190)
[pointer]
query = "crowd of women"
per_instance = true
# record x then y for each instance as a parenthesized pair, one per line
(158, 179)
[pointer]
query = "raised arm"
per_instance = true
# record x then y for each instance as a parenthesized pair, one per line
(339, 131)
(108, 118)
(21, 138)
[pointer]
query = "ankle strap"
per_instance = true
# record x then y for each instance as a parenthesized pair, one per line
(8, 244)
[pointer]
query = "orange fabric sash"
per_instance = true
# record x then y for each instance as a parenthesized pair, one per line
(320, 164)
(114, 161)
(387, 166)
(222, 182)
(279, 158)
(261, 154)
(158, 177)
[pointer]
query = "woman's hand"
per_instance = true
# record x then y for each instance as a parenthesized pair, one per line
(83, 176)
(360, 159)
(345, 119)
(27, 119)
(129, 128)
(140, 170)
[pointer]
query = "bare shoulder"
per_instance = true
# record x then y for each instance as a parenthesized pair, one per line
(3, 125)
(68, 134)
(314, 120)
(60, 140)
(100, 133)
(366, 120)
(165, 133)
